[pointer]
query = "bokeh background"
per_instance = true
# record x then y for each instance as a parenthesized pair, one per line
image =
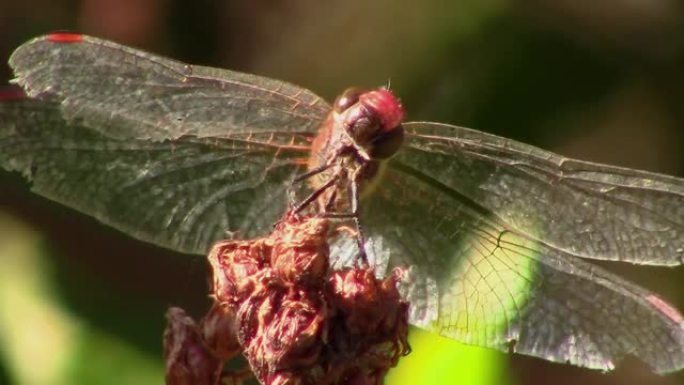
(603, 81)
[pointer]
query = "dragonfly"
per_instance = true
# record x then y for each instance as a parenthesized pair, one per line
(497, 236)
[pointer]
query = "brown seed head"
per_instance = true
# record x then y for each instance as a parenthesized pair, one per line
(295, 320)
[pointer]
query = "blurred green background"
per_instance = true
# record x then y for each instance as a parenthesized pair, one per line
(603, 81)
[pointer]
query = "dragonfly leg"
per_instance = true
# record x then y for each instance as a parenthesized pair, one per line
(329, 205)
(353, 214)
(312, 172)
(317, 193)
(313, 196)
(360, 239)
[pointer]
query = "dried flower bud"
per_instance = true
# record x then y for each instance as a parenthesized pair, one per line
(300, 253)
(219, 332)
(188, 360)
(356, 293)
(295, 320)
(286, 333)
(373, 324)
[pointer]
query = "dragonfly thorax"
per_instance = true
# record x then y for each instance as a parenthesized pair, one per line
(360, 133)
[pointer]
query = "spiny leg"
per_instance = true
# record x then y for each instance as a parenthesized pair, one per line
(353, 194)
(317, 193)
(299, 179)
(312, 172)
(354, 201)
(330, 202)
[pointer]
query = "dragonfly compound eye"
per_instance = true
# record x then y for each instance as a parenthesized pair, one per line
(375, 123)
(348, 98)
(385, 145)
(385, 106)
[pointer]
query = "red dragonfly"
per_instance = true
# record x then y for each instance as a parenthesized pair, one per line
(495, 233)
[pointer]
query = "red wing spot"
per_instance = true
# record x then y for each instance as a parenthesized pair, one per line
(665, 308)
(11, 93)
(65, 37)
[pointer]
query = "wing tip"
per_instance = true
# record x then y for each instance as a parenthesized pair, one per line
(52, 37)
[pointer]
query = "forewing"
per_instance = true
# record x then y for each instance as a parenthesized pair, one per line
(130, 94)
(584, 209)
(473, 278)
(175, 154)
(182, 194)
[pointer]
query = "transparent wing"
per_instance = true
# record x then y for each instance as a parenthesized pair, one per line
(126, 93)
(170, 153)
(584, 209)
(475, 279)
(182, 194)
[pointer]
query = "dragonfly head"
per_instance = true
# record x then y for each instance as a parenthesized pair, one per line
(372, 119)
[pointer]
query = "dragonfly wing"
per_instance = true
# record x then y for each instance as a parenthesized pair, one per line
(473, 278)
(130, 94)
(168, 152)
(585, 209)
(182, 194)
